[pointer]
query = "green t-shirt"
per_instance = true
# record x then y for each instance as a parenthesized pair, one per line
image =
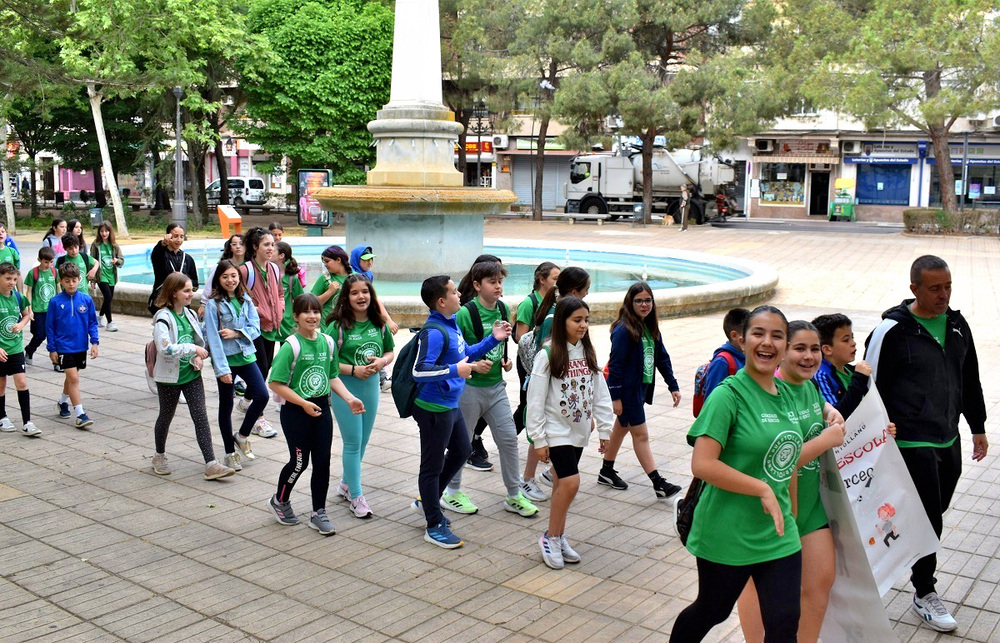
(314, 368)
(526, 310)
(42, 290)
(185, 335)
(758, 439)
(82, 261)
(844, 376)
(648, 361)
(106, 273)
(10, 314)
(807, 406)
(293, 288)
(546, 327)
(936, 326)
(464, 321)
(239, 359)
(9, 255)
(322, 283)
(362, 341)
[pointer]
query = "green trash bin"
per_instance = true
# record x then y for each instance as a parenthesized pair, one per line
(842, 207)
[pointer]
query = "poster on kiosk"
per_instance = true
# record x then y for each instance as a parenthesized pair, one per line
(310, 212)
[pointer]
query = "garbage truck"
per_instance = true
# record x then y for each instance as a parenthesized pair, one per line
(611, 183)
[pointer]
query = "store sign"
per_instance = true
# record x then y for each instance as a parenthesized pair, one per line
(977, 154)
(880, 160)
(472, 147)
(889, 149)
(532, 144)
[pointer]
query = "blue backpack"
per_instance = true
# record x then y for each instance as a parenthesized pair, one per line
(404, 388)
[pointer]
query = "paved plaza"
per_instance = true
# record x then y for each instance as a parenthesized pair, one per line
(97, 547)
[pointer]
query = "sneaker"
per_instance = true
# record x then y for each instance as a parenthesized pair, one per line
(321, 523)
(385, 384)
(232, 460)
(609, 478)
(418, 506)
(569, 554)
(665, 489)
(458, 502)
(520, 505)
(6, 425)
(243, 444)
(360, 508)
(150, 382)
(243, 405)
(28, 361)
(112, 328)
(479, 463)
(82, 421)
(933, 613)
(31, 430)
(264, 429)
(442, 537)
(282, 511)
(64, 411)
(533, 491)
(57, 368)
(545, 478)
(214, 471)
(344, 491)
(551, 550)
(239, 388)
(101, 322)
(160, 466)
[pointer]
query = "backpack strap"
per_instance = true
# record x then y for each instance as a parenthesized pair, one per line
(476, 319)
(293, 341)
(34, 273)
(505, 316)
(730, 360)
(251, 275)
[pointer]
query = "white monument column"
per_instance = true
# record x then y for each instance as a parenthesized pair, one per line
(415, 134)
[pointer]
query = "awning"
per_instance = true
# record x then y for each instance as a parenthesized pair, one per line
(535, 152)
(787, 158)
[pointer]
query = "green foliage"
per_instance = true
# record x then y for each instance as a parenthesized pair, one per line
(331, 73)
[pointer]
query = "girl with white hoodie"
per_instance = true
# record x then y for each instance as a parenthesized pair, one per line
(567, 396)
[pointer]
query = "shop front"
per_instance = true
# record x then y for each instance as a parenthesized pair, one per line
(888, 178)
(792, 179)
(480, 161)
(980, 188)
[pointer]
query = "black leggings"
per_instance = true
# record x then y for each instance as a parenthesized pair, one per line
(522, 397)
(265, 354)
(779, 588)
(107, 294)
(256, 393)
(194, 393)
(307, 435)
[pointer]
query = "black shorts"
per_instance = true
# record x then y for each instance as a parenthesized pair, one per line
(73, 360)
(565, 460)
(13, 366)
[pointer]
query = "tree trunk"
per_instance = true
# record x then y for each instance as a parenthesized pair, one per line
(109, 171)
(196, 174)
(220, 158)
(33, 167)
(647, 137)
(536, 198)
(100, 200)
(946, 177)
(8, 200)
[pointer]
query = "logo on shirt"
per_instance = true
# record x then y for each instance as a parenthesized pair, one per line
(366, 350)
(647, 359)
(46, 291)
(781, 456)
(82, 308)
(313, 381)
(813, 432)
(7, 328)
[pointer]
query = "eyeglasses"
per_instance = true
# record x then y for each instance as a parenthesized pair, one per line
(643, 302)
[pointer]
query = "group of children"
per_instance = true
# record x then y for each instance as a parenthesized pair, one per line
(59, 315)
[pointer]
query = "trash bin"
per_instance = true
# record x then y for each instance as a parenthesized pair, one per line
(96, 217)
(842, 207)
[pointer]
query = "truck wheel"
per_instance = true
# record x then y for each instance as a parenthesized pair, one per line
(593, 206)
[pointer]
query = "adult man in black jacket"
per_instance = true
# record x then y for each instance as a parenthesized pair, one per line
(924, 362)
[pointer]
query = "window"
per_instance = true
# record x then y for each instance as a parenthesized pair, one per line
(579, 172)
(256, 184)
(883, 184)
(986, 177)
(235, 184)
(782, 183)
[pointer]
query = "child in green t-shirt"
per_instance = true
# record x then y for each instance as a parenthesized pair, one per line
(88, 265)
(109, 257)
(15, 313)
(41, 285)
(303, 378)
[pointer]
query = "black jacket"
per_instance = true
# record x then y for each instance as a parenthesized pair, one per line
(924, 387)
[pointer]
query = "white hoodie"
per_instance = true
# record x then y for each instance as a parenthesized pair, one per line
(562, 411)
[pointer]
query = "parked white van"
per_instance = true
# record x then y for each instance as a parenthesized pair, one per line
(242, 191)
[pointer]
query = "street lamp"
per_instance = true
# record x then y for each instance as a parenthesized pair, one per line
(480, 124)
(180, 207)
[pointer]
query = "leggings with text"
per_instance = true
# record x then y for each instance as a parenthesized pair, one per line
(779, 587)
(307, 435)
(194, 393)
(107, 294)
(256, 393)
(355, 430)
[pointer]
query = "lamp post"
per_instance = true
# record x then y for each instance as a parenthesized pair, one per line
(180, 207)
(480, 124)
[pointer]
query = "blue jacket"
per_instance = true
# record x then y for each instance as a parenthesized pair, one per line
(71, 320)
(441, 383)
(223, 315)
(625, 369)
(356, 262)
(718, 368)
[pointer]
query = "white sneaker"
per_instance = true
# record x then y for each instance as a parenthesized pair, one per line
(264, 429)
(545, 478)
(232, 460)
(101, 322)
(551, 551)
(568, 553)
(933, 613)
(112, 328)
(6, 425)
(30, 429)
(243, 404)
(533, 491)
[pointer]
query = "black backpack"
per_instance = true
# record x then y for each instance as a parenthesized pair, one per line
(477, 321)
(404, 388)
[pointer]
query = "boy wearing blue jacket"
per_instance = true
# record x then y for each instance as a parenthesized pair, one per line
(70, 322)
(441, 368)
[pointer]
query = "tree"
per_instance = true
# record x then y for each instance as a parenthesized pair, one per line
(333, 61)
(901, 62)
(33, 127)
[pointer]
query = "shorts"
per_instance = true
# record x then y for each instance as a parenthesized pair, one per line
(565, 460)
(13, 366)
(73, 360)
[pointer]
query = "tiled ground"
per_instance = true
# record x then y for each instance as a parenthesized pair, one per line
(96, 547)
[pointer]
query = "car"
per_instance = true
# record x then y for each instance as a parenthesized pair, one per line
(242, 191)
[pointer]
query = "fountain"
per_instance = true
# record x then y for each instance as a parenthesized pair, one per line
(414, 210)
